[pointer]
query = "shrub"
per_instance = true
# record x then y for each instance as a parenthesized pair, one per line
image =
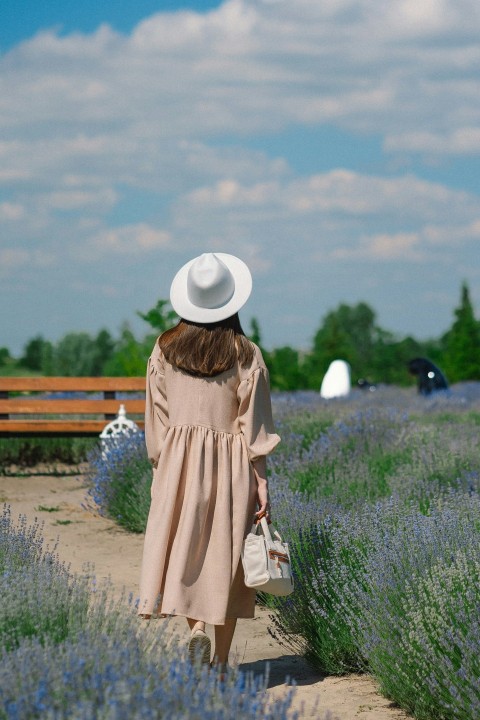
(432, 667)
(376, 452)
(82, 654)
(49, 451)
(368, 585)
(38, 596)
(120, 478)
(114, 677)
(378, 495)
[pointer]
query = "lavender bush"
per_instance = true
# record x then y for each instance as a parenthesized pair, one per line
(377, 452)
(38, 597)
(113, 677)
(120, 479)
(67, 649)
(386, 549)
(346, 452)
(378, 495)
(433, 666)
(396, 593)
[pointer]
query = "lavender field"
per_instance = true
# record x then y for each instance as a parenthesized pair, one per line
(378, 495)
(69, 650)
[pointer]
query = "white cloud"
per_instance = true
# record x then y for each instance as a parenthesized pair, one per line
(337, 218)
(18, 262)
(464, 141)
(44, 259)
(202, 161)
(338, 192)
(450, 236)
(248, 66)
(138, 147)
(11, 258)
(129, 240)
(401, 246)
(75, 199)
(432, 244)
(11, 211)
(230, 193)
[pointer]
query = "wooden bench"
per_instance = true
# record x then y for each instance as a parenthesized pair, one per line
(28, 414)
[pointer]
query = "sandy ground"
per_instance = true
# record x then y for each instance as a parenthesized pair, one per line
(85, 538)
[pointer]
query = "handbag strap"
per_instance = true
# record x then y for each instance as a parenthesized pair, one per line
(261, 521)
(266, 531)
(257, 524)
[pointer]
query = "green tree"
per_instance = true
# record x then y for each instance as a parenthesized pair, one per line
(160, 317)
(74, 355)
(48, 359)
(347, 333)
(104, 346)
(38, 356)
(462, 342)
(391, 356)
(255, 335)
(434, 349)
(33, 353)
(130, 355)
(5, 356)
(286, 370)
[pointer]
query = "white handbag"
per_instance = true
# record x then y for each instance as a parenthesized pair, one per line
(266, 561)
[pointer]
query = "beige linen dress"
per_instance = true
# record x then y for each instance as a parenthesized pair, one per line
(202, 435)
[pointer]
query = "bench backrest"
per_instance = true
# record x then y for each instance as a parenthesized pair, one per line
(29, 413)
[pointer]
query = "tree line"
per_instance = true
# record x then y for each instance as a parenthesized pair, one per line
(348, 332)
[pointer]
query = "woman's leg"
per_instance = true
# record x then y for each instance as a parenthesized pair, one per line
(223, 641)
(199, 645)
(197, 624)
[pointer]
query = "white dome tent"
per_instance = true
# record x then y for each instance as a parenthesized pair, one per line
(336, 382)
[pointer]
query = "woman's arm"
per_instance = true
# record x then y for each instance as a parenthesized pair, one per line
(260, 470)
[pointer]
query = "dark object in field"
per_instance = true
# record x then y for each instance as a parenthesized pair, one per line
(366, 385)
(429, 377)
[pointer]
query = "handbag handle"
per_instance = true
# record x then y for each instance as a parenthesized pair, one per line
(265, 528)
(257, 522)
(260, 516)
(262, 522)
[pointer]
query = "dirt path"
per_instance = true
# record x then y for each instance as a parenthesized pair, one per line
(86, 538)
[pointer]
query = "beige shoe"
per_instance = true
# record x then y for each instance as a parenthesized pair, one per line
(199, 646)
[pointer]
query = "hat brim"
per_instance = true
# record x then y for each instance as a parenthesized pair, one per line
(188, 311)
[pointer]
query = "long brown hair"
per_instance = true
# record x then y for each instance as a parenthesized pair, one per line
(208, 349)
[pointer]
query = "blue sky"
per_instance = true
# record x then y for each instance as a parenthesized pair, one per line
(334, 146)
(20, 19)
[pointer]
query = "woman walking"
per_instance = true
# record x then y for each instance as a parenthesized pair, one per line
(208, 429)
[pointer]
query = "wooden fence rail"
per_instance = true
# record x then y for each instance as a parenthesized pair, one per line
(26, 412)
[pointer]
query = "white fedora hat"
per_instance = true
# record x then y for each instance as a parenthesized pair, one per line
(211, 287)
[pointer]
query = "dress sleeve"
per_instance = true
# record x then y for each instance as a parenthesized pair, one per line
(156, 408)
(255, 414)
